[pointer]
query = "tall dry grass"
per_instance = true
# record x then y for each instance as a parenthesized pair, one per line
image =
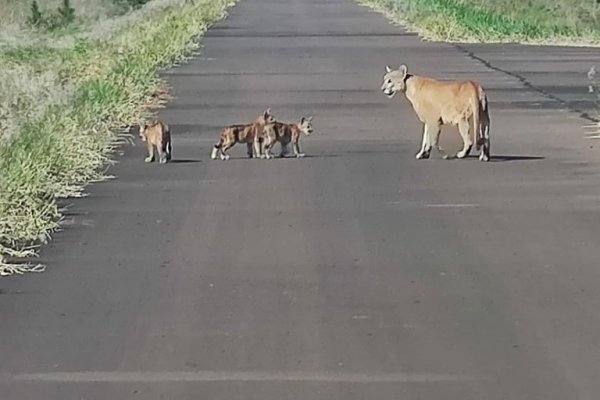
(16, 12)
(61, 108)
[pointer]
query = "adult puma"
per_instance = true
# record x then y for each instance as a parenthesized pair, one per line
(444, 102)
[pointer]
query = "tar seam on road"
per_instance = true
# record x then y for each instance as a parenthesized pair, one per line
(458, 205)
(567, 106)
(235, 376)
(438, 205)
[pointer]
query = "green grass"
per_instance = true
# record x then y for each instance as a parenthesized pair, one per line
(63, 109)
(575, 22)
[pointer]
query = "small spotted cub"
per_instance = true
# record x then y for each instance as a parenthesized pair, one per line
(286, 133)
(157, 135)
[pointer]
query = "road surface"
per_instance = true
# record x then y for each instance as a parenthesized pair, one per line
(357, 272)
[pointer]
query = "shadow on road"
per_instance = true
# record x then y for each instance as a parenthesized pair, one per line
(184, 161)
(515, 158)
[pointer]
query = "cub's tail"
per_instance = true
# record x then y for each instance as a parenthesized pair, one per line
(480, 111)
(166, 137)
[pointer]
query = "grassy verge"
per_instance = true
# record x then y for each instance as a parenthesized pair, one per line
(19, 12)
(570, 22)
(61, 108)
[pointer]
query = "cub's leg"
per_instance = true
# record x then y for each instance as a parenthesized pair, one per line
(485, 148)
(268, 145)
(463, 128)
(249, 152)
(226, 146)
(259, 147)
(485, 153)
(165, 154)
(296, 146)
(169, 149)
(162, 156)
(150, 148)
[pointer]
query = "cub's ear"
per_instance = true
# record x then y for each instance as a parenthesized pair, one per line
(310, 119)
(302, 120)
(388, 69)
(404, 69)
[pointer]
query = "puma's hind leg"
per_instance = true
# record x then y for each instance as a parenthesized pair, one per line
(463, 129)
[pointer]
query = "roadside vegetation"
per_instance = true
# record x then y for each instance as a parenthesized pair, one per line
(570, 22)
(72, 75)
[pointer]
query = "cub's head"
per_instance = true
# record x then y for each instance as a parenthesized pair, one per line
(143, 130)
(394, 80)
(266, 118)
(305, 125)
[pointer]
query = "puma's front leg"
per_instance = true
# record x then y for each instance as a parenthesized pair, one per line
(429, 131)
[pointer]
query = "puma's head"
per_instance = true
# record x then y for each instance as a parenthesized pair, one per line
(394, 80)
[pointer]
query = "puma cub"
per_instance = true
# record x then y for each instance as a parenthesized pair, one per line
(157, 135)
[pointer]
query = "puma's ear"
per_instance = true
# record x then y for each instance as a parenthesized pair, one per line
(388, 69)
(404, 69)
(302, 120)
(310, 119)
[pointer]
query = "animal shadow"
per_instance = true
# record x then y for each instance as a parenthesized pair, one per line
(307, 156)
(183, 161)
(507, 158)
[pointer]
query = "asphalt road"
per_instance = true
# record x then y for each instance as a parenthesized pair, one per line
(357, 272)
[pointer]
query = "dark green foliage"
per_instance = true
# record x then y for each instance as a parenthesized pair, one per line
(66, 12)
(51, 20)
(131, 3)
(36, 16)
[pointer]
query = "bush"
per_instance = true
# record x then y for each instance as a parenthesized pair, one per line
(62, 17)
(131, 3)
(66, 13)
(36, 15)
